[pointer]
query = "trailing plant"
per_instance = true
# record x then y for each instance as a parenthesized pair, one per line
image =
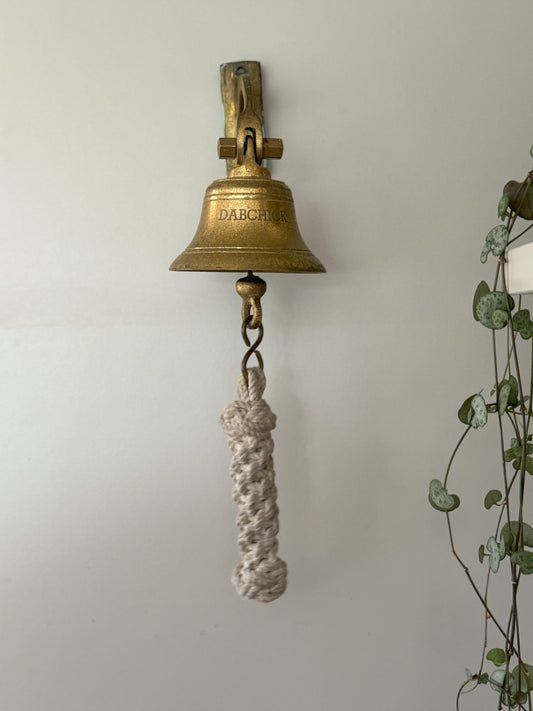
(508, 545)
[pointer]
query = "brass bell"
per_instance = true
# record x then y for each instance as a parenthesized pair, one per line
(248, 222)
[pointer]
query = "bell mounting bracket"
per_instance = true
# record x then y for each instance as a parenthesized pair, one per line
(243, 146)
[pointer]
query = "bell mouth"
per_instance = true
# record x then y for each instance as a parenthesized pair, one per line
(248, 223)
(202, 259)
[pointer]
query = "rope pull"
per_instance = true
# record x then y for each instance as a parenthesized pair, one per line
(261, 575)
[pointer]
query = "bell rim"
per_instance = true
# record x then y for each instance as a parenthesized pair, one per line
(291, 261)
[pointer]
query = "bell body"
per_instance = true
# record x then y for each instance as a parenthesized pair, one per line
(248, 223)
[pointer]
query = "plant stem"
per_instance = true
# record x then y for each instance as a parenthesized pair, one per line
(472, 583)
(461, 440)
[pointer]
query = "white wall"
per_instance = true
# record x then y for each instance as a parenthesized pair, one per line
(401, 122)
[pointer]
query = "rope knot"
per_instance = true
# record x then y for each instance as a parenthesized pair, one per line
(261, 574)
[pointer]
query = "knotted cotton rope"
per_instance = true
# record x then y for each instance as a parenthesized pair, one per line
(247, 422)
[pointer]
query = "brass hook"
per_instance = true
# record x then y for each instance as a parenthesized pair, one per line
(252, 349)
(251, 288)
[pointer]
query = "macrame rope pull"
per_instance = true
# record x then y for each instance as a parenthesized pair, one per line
(261, 575)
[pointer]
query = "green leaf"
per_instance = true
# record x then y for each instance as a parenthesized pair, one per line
(522, 323)
(482, 289)
(515, 451)
(481, 553)
(524, 560)
(503, 205)
(492, 310)
(498, 319)
(479, 415)
(503, 398)
(484, 678)
(520, 697)
(526, 677)
(497, 656)
(529, 465)
(504, 685)
(507, 393)
(497, 679)
(509, 534)
(520, 197)
(463, 411)
(496, 240)
(513, 397)
(439, 497)
(492, 498)
(473, 411)
(510, 454)
(496, 552)
(507, 538)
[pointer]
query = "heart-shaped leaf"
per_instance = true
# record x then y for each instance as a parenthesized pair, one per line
(497, 679)
(463, 412)
(524, 677)
(482, 289)
(439, 497)
(524, 560)
(522, 323)
(479, 415)
(495, 242)
(503, 204)
(493, 497)
(507, 394)
(520, 198)
(519, 697)
(501, 682)
(513, 392)
(509, 534)
(492, 310)
(516, 450)
(473, 411)
(497, 656)
(503, 397)
(496, 552)
(481, 553)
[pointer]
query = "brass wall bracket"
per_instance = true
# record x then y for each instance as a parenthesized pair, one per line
(244, 146)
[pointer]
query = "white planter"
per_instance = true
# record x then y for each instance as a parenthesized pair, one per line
(519, 269)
